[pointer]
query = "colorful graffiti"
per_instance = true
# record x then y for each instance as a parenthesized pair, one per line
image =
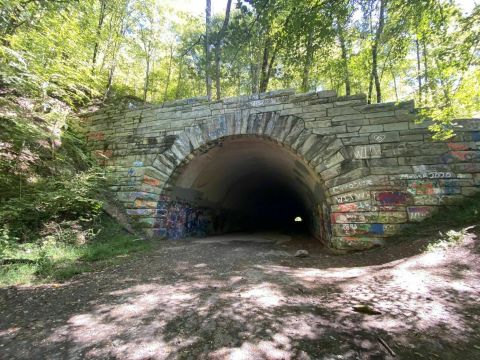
(374, 229)
(150, 181)
(142, 195)
(476, 135)
(422, 187)
(177, 220)
(433, 187)
(131, 177)
(460, 156)
(392, 198)
(369, 217)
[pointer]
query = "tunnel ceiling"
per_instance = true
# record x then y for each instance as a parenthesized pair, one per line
(223, 175)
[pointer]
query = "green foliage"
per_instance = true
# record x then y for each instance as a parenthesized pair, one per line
(59, 256)
(45, 174)
(447, 240)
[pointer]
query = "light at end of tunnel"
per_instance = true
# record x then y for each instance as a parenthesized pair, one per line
(298, 219)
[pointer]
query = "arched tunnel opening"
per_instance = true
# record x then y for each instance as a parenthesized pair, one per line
(247, 183)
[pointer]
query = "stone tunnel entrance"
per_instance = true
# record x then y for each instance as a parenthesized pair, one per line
(243, 183)
(356, 173)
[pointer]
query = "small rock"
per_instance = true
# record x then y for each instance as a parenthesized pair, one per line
(366, 309)
(301, 253)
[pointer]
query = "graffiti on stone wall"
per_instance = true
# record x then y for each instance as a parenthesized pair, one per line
(428, 175)
(269, 101)
(419, 213)
(177, 220)
(367, 151)
(392, 198)
(219, 129)
(368, 217)
(375, 229)
(352, 185)
(476, 135)
(459, 153)
(352, 197)
(433, 187)
(142, 195)
(150, 181)
(131, 177)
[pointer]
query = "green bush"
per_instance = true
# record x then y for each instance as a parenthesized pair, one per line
(54, 200)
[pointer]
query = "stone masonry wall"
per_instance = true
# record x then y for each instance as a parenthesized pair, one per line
(379, 168)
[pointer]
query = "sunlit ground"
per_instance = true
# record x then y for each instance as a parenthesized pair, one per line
(247, 297)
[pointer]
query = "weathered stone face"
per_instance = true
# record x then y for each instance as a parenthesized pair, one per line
(365, 170)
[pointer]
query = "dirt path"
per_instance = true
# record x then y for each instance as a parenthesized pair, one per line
(246, 297)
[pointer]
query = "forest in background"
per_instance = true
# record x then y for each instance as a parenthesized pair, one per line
(390, 50)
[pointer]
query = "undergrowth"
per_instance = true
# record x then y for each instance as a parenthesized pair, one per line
(51, 222)
(448, 225)
(53, 259)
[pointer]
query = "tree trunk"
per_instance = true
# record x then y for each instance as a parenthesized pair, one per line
(218, 48)
(376, 43)
(254, 77)
(208, 75)
(145, 84)
(308, 63)
(110, 82)
(269, 71)
(167, 84)
(370, 89)
(425, 68)
(179, 81)
(395, 85)
(101, 18)
(264, 68)
(116, 48)
(419, 74)
(343, 48)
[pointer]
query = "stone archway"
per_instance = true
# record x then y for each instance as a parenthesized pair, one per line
(377, 168)
(214, 166)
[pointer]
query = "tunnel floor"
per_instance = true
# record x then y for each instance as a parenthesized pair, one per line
(245, 296)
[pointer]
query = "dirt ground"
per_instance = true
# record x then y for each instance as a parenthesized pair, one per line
(244, 296)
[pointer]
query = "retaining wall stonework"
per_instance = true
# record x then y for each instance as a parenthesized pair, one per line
(378, 168)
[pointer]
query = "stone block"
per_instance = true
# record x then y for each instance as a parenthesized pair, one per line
(330, 130)
(353, 102)
(348, 140)
(396, 126)
(356, 243)
(351, 117)
(380, 114)
(371, 129)
(340, 111)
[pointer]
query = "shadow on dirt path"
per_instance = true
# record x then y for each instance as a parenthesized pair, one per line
(244, 296)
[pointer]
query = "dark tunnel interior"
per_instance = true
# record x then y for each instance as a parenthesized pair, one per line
(253, 184)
